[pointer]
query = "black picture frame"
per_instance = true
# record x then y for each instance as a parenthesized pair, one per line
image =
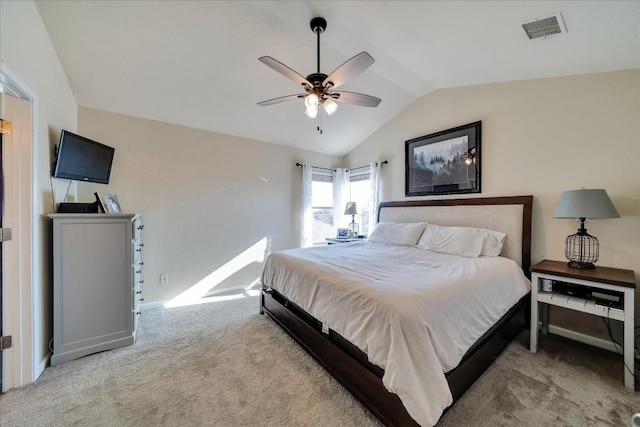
(445, 162)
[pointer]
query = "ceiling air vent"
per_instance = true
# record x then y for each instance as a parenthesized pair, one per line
(545, 26)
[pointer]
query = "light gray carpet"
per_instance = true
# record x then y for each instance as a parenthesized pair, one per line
(222, 364)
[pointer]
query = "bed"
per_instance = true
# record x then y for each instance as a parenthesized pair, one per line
(368, 358)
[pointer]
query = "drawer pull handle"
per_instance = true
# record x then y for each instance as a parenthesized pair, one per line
(138, 313)
(141, 299)
(140, 227)
(138, 292)
(139, 271)
(141, 281)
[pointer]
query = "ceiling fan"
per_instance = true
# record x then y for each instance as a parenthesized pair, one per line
(319, 95)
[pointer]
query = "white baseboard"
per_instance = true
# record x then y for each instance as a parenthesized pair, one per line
(587, 339)
(212, 294)
(153, 304)
(40, 367)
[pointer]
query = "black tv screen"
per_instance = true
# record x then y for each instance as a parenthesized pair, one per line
(82, 159)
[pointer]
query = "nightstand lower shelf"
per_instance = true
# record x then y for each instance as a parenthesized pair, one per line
(580, 304)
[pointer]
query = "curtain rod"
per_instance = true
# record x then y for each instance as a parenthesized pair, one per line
(384, 162)
(317, 167)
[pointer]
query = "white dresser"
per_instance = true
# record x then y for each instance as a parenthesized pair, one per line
(97, 278)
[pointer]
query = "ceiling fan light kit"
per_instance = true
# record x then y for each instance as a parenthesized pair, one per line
(330, 106)
(320, 97)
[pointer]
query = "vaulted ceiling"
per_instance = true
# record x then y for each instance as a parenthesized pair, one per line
(195, 63)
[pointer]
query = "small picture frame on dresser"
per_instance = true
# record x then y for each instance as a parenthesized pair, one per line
(343, 233)
(111, 203)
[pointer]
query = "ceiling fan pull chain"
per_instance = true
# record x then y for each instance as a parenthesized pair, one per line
(319, 120)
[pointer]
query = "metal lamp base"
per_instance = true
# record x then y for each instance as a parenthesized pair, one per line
(354, 230)
(581, 265)
(581, 249)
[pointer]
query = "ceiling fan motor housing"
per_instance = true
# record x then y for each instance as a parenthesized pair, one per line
(316, 79)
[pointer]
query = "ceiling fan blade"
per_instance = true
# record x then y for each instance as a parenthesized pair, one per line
(356, 99)
(349, 69)
(284, 70)
(281, 99)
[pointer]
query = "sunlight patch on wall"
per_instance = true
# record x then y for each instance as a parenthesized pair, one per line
(197, 294)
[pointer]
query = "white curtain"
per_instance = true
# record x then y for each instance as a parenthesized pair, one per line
(306, 220)
(341, 181)
(375, 169)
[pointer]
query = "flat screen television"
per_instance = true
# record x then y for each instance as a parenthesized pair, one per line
(83, 159)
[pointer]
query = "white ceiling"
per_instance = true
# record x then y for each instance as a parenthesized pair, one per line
(195, 63)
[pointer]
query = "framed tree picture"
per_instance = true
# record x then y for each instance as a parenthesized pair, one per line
(445, 162)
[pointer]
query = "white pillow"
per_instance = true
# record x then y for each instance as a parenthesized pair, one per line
(462, 241)
(397, 233)
(493, 243)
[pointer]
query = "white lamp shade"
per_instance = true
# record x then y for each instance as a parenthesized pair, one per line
(351, 209)
(330, 106)
(312, 100)
(311, 112)
(585, 203)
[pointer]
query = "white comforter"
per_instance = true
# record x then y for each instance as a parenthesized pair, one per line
(415, 313)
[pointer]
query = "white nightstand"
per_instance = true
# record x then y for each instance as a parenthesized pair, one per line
(603, 279)
(335, 241)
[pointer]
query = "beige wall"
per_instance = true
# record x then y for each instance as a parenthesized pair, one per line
(212, 203)
(207, 198)
(26, 50)
(539, 137)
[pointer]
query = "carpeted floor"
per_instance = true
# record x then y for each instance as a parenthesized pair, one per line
(222, 364)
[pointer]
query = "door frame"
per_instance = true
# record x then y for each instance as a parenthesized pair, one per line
(21, 317)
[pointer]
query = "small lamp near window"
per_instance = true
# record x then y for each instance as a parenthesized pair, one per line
(352, 209)
(582, 249)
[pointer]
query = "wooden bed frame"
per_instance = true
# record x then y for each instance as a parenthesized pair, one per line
(347, 364)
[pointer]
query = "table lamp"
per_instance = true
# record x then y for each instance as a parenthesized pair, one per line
(352, 209)
(581, 248)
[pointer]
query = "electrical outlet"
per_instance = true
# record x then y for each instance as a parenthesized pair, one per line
(164, 278)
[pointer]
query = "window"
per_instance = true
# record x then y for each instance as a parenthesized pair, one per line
(360, 192)
(326, 193)
(322, 204)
